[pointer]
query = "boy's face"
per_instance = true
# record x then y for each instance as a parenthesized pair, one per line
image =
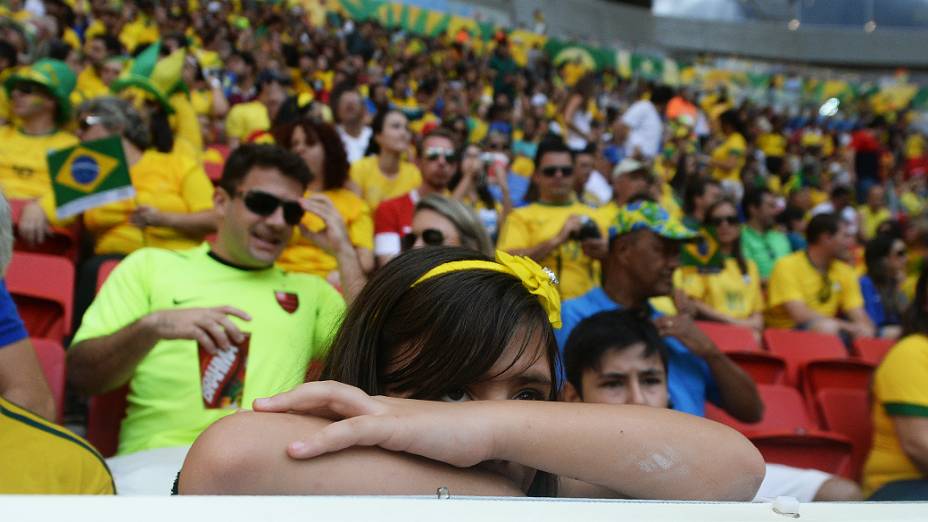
(624, 377)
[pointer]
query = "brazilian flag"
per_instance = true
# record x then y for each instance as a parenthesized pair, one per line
(703, 252)
(89, 175)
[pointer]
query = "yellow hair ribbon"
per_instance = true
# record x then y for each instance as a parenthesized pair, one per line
(540, 282)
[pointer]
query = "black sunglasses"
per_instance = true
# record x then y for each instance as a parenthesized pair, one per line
(264, 204)
(430, 237)
(731, 220)
(31, 88)
(552, 170)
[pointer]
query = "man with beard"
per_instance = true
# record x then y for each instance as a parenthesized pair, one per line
(178, 327)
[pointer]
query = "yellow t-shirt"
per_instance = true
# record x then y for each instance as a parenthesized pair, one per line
(734, 146)
(40, 457)
(202, 101)
(795, 279)
(898, 391)
(375, 187)
(536, 223)
(870, 220)
(730, 292)
(142, 30)
(186, 127)
(168, 182)
(773, 144)
(304, 256)
(244, 119)
(89, 86)
(23, 167)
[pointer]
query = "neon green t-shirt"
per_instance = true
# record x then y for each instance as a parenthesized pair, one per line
(165, 405)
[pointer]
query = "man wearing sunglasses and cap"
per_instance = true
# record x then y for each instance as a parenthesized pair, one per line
(809, 288)
(644, 250)
(39, 99)
(196, 334)
(393, 217)
(556, 230)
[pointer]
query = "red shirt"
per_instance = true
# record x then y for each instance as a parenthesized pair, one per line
(392, 221)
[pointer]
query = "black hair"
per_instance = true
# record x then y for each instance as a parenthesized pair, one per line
(335, 166)
(696, 188)
(661, 95)
(251, 155)
(790, 214)
(373, 148)
(589, 149)
(915, 320)
(732, 119)
(112, 44)
(248, 58)
(753, 198)
(610, 330)
(8, 53)
(821, 225)
(841, 191)
(59, 50)
(550, 145)
(875, 254)
(338, 91)
(396, 335)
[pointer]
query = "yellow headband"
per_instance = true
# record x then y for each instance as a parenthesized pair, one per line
(539, 281)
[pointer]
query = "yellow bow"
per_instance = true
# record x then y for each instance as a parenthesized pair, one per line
(540, 282)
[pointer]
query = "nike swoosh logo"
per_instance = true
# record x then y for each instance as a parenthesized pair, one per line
(178, 302)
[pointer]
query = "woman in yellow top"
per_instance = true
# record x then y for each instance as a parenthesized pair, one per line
(173, 204)
(728, 157)
(733, 294)
(320, 146)
(383, 173)
(897, 464)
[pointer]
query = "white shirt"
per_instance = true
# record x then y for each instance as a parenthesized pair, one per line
(597, 191)
(355, 147)
(645, 128)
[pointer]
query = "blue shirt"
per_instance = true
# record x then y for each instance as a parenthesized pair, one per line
(518, 189)
(689, 380)
(11, 326)
(873, 303)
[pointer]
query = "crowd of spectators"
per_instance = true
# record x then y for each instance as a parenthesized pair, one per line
(344, 145)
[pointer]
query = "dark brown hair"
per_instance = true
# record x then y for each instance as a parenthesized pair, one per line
(335, 166)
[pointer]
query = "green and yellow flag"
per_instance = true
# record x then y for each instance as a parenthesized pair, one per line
(89, 175)
(703, 253)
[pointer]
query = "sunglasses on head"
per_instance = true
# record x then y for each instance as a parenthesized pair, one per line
(551, 170)
(899, 252)
(264, 204)
(716, 221)
(430, 237)
(433, 153)
(30, 88)
(88, 121)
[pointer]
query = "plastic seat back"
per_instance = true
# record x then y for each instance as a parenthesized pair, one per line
(43, 288)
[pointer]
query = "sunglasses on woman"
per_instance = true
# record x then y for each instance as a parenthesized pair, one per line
(430, 237)
(718, 220)
(265, 204)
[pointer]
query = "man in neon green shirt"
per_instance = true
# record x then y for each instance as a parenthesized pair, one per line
(162, 314)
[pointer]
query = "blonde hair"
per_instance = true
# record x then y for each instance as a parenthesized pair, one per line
(473, 235)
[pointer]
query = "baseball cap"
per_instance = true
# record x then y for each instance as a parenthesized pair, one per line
(626, 166)
(651, 216)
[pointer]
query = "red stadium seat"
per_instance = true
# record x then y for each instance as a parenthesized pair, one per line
(64, 241)
(800, 347)
(784, 411)
(847, 411)
(764, 368)
(51, 357)
(104, 272)
(730, 338)
(43, 287)
(872, 350)
(104, 420)
(214, 159)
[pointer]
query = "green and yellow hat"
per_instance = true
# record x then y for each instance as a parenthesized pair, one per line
(55, 76)
(158, 78)
(647, 215)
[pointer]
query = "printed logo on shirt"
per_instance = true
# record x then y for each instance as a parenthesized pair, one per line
(288, 301)
(23, 172)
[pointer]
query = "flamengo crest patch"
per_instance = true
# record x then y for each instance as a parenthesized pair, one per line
(289, 302)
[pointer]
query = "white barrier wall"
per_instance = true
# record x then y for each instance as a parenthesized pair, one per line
(393, 509)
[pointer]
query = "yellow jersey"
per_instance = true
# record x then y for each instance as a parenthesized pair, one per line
(244, 119)
(40, 457)
(23, 167)
(304, 256)
(773, 144)
(870, 220)
(735, 147)
(898, 391)
(168, 182)
(186, 126)
(376, 187)
(729, 291)
(794, 278)
(531, 225)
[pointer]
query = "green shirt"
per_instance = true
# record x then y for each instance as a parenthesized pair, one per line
(165, 405)
(764, 249)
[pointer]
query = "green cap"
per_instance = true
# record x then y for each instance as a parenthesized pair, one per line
(55, 76)
(651, 216)
(159, 78)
